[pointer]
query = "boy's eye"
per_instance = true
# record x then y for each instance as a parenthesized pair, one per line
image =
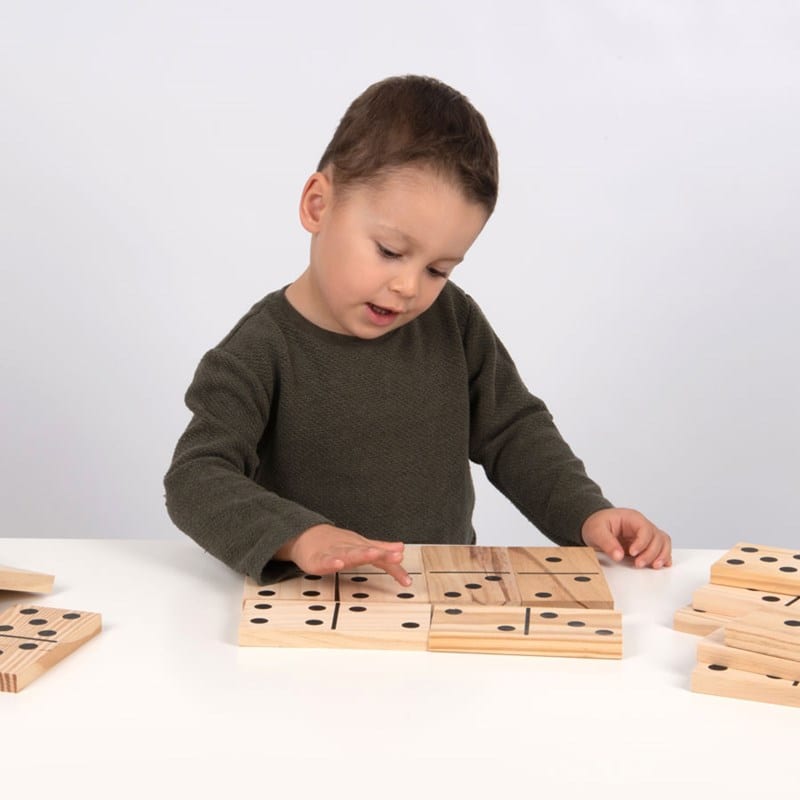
(437, 273)
(387, 253)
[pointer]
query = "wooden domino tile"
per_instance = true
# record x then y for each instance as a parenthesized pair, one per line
(756, 567)
(292, 623)
(20, 580)
(712, 650)
(699, 623)
(372, 584)
(303, 587)
(584, 633)
(734, 601)
(723, 681)
(567, 577)
(469, 574)
(773, 633)
(33, 639)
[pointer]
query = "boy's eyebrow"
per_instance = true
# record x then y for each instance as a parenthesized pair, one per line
(413, 242)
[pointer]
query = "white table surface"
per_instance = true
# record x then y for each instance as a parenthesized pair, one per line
(164, 701)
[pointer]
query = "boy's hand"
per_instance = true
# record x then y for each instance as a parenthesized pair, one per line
(324, 549)
(620, 531)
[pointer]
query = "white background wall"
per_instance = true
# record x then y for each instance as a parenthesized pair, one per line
(642, 264)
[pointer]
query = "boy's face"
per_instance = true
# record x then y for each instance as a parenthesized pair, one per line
(380, 255)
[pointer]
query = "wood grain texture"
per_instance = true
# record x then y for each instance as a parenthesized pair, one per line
(754, 566)
(567, 577)
(470, 575)
(584, 633)
(774, 633)
(712, 650)
(735, 601)
(292, 623)
(304, 587)
(723, 681)
(34, 638)
(699, 623)
(21, 580)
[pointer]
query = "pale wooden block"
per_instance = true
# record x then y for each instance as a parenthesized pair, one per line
(699, 623)
(292, 623)
(374, 587)
(469, 574)
(733, 601)
(21, 580)
(566, 632)
(304, 587)
(567, 577)
(755, 566)
(713, 650)
(774, 633)
(723, 681)
(33, 639)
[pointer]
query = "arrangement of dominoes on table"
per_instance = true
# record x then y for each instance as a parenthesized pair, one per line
(34, 638)
(517, 600)
(749, 616)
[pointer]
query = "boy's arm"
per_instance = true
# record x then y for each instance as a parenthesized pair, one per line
(210, 492)
(513, 436)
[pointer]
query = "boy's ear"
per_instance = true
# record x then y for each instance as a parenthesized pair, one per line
(314, 201)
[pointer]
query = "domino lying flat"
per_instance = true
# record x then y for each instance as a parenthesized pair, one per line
(33, 639)
(21, 580)
(534, 601)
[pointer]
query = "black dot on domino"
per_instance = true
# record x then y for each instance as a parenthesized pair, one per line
(452, 594)
(314, 622)
(749, 549)
(358, 579)
(768, 559)
(358, 608)
(770, 598)
(493, 578)
(792, 623)
(6, 628)
(29, 611)
(604, 632)
(543, 594)
(313, 577)
(360, 595)
(28, 646)
(549, 615)
(266, 593)
(405, 595)
(506, 628)
(411, 624)
(258, 620)
(262, 606)
(316, 608)
(72, 615)
(735, 562)
(788, 569)
(582, 578)
(311, 593)
(472, 586)
(576, 623)
(47, 633)
(774, 677)
(717, 667)
(553, 559)
(38, 621)
(453, 611)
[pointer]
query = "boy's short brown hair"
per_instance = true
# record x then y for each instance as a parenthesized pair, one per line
(418, 120)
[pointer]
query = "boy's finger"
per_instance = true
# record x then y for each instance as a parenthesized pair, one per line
(605, 541)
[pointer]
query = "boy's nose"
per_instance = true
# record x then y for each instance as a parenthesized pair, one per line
(405, 283)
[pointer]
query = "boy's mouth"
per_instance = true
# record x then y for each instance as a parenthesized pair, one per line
(380, 315)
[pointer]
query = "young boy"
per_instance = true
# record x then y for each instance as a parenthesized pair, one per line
(338, 418)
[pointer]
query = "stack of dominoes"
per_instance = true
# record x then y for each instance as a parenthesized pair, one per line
(34, 638)
(516, 600)
(750, 616)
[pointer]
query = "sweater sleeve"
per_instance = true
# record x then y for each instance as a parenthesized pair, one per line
(211, 493)
(514, 438)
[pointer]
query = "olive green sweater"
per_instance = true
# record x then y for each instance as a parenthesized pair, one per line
(294, 426)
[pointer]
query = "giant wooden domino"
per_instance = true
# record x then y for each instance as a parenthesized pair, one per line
(749, 616)
(33, 639)
(21, 580)
(518, 600)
